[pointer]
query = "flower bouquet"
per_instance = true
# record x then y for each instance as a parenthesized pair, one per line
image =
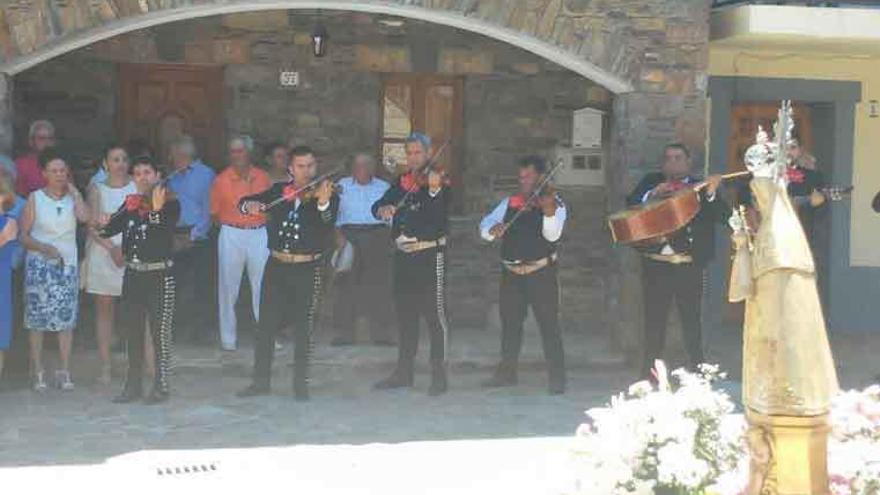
(676, 438)
(680, 437)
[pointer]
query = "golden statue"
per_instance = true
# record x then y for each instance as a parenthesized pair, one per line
(788, 372)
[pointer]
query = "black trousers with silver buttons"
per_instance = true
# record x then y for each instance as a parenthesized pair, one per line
(291, 293)
(148, 296)
(419, 292)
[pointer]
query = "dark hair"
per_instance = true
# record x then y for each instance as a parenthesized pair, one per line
(534, 161)
(143, 160)
(301, 150)
(48, 155)
(678, 146)
(113, 146)
(275, 145)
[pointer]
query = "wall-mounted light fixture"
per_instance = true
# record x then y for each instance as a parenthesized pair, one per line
(873, 109)
(319, 40)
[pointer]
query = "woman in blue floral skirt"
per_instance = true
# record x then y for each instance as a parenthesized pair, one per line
(48, 232)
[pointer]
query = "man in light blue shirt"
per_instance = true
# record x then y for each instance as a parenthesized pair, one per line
(191, 183)
(366, 289)
(194, 257)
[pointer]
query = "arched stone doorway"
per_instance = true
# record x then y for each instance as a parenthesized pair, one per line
(651, 56)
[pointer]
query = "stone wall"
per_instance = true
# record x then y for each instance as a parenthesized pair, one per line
(514, 104)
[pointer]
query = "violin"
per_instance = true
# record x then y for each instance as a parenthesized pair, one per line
(414, 180)
(542, 191)
(306, 192)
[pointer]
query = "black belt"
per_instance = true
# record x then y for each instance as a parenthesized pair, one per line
(363, 226)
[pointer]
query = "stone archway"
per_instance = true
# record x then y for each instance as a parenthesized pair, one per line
(45, 31)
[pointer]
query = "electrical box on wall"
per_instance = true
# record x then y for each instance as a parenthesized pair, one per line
(580, 167)
(586, 128)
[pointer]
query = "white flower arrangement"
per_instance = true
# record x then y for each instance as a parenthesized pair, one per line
(683, 439)
(674, 439)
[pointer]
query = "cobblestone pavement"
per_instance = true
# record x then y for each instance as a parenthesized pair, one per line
(517, 434)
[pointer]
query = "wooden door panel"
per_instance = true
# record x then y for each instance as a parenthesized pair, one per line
(427, 103)
(157, 103)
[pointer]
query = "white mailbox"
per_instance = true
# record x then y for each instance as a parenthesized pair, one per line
(586, 128)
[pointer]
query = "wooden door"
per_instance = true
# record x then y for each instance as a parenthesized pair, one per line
(430, 104)
(744, 121)
(158, 103)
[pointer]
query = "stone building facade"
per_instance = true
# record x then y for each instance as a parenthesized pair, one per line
(525, 66)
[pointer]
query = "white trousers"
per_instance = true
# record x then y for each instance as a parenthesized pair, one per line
(238, 249)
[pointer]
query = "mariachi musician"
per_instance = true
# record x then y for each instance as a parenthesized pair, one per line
(418, 205)
(146, 221)
(673, 268)
(529, 225)
(805, 183)
(301, 214)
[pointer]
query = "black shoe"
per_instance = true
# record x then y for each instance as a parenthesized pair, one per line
(342, 342)
(398, 379)
(504, 376)
(439, 381)
(556, 386)
(127, 396)
(300, 392)
(253, 390)
(156, 397)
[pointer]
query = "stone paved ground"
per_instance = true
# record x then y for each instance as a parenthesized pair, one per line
(83, 427)
(511, 440)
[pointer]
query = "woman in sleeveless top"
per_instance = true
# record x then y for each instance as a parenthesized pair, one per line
(104, 266)
(48, 232)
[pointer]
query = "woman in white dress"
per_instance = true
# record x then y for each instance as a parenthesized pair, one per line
(104, 266)
(48, 232)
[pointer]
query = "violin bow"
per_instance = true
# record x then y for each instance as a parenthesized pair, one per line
(424, 170)
(541, 185)
(310, 185)
(731, 175)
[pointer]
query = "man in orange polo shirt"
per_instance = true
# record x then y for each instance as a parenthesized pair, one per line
(242, 242)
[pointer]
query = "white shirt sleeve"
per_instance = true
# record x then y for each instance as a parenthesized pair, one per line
(489, 221)
(552, 228)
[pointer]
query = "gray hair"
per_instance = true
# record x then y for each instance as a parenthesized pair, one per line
(371, 160)
(8, 166)
(244, 140)
(40, 124)
(186, 145)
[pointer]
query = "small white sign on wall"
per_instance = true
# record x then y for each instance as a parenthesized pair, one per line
(288, 78)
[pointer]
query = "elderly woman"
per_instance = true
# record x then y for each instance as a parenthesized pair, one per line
(48, 232)
(41, 135)
(104, 265)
